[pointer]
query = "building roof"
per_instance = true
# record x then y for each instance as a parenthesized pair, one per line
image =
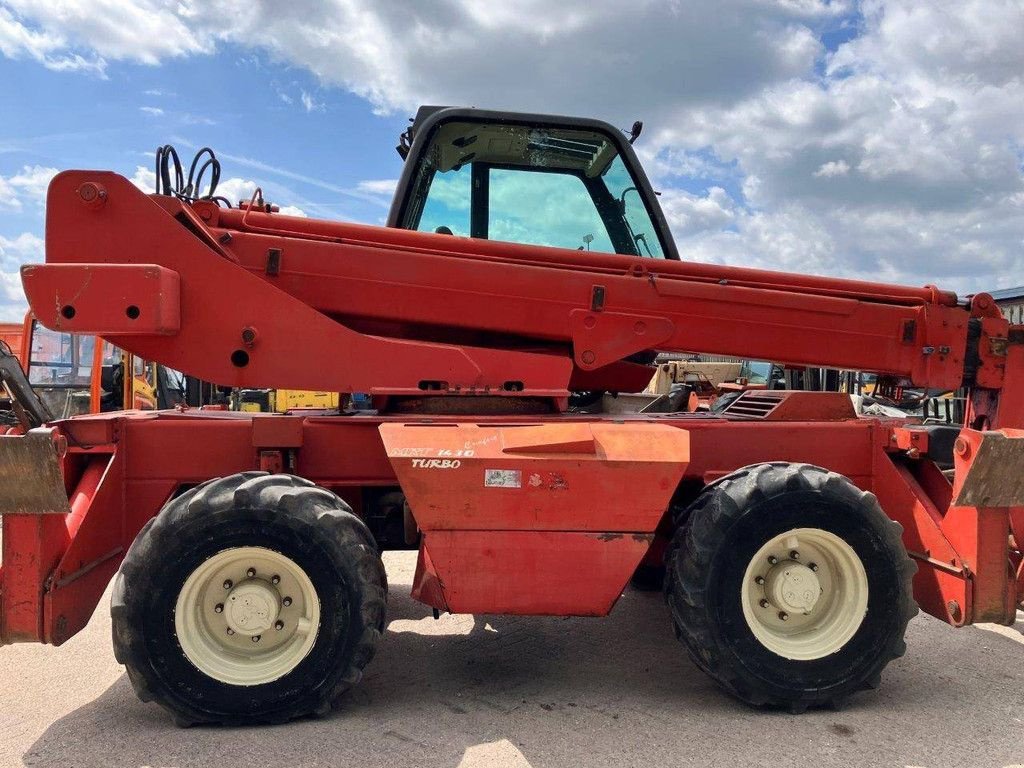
(1008, 294)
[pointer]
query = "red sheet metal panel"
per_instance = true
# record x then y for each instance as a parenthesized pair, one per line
(539, 519)
(533, 572)
(534, 519)
(276, 432)
(32, 546)
(551, 477)
(125, 299)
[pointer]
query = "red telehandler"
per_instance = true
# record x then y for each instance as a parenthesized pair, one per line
(526, 267)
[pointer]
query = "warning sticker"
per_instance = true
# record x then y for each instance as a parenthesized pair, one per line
(503, 478)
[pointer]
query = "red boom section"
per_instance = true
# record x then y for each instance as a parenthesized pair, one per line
(275, 301)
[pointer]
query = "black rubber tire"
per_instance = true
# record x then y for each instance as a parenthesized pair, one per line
(290, 515)
(708, 556)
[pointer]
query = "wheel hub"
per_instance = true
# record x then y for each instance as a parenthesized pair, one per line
(252, 607)
(804, 593)
(792, 587)
(247, 616)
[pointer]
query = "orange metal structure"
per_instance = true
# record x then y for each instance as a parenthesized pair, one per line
(67, 371)
(471, 349)
(11, 334)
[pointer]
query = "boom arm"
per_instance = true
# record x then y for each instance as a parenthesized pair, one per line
(249, 298)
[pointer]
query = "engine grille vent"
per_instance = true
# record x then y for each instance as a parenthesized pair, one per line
(753, 405)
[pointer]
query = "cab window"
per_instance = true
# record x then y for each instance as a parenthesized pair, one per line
(560, 187)
(60, 359)
(544, 209)
(446, 208)
(638, 221)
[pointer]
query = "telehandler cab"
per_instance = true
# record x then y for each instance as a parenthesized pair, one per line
(526, 265)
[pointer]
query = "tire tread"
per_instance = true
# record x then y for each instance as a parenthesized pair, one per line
(693, 546)
(302, 505)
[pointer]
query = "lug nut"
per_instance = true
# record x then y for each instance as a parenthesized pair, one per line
(218, 608)
(813, 566)
(255, 638)
(764, 603)
(231, 631)
(275, 579)
(286, 602)
(228, 583)
(278, 625)
(772, 559)
(759, 580)
(783, 615)
(251, 572)
(794, 555)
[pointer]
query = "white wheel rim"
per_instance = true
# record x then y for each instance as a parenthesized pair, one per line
(804, 594)
(247, 616)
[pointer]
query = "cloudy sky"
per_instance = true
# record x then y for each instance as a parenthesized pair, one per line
(873, 139)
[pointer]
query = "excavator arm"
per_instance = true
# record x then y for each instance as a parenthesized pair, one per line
(29, 409)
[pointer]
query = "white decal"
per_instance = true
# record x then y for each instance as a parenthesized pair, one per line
(436, 463)
(480, 443)
(401, 453)
(503, 478)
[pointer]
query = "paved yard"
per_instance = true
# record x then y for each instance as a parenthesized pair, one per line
(496, 691)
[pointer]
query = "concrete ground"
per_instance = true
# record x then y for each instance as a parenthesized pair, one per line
(470, 692)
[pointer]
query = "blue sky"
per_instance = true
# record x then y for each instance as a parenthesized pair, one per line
(237, 102)
(875, 138)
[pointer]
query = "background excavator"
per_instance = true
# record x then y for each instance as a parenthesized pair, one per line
(74, 374)
(526, 270)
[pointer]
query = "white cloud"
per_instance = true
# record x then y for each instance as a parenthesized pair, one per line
(144, 178)
(46, 47)
(689, 213)
(896, 156)
(398, 56)
(27, 186)
(902, 163)
(8, 197)
(23, 249)
(152, 111)
(143, 31)
(833, 168)
(12, 301)
(310, 104)
(235, 190)
(384, 187)
(190, 119)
